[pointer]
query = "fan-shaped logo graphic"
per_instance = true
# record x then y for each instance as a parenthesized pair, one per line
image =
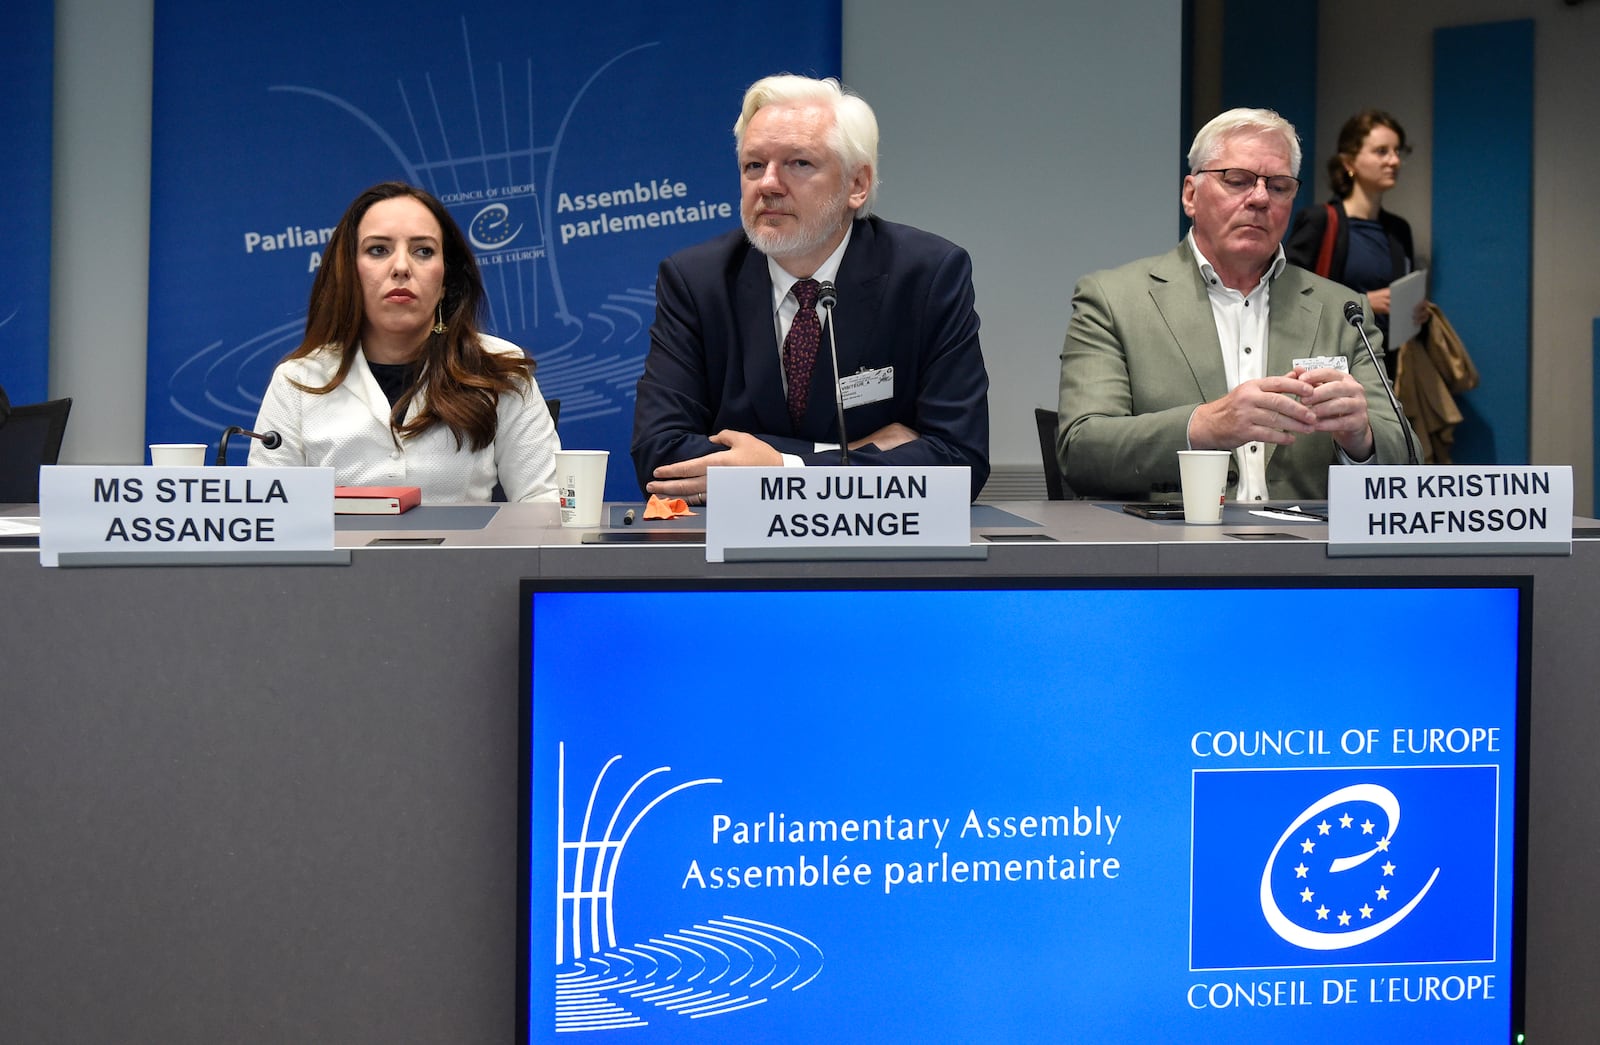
(1300, 868)
(712, 968)
(590, 340)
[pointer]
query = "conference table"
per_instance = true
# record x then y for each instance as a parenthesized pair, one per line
(267, 803)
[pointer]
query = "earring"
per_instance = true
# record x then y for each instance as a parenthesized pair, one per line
(438, 323)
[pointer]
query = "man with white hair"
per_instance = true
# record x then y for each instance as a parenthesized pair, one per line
(739, 372)
(1220, 344)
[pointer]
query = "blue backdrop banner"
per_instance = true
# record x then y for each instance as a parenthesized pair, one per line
(27, 39)
(577, 145)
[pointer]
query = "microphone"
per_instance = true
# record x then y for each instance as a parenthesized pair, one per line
(1353, 316)
(270, 440)
(827, 297)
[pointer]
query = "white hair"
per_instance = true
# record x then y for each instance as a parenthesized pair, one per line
(854, 137)
(1238, 123)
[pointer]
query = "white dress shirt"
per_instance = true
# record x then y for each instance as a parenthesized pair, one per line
(785, 306)
(1242, 331)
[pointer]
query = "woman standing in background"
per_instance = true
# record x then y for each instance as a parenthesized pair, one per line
(1352, 239)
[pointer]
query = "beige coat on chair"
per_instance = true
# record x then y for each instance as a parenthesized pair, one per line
(1430, 370)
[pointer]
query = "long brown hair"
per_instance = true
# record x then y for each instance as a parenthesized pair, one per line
(1351, 137)
(460, 381)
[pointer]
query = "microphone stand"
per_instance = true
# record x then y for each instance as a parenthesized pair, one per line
(270, 440)
(1353, 315)
(827, 297)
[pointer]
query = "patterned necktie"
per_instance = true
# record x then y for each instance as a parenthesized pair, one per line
(800, 348)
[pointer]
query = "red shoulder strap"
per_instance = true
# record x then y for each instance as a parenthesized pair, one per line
(1329, 235)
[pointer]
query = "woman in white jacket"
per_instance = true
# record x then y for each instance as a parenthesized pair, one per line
(393, 385)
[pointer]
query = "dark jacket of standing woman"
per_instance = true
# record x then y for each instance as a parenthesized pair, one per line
(1311, 225)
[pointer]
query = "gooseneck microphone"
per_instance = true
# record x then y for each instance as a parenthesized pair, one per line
(270, 440)
(827, 297)
(1353, 315)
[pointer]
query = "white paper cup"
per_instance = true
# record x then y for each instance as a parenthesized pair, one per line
(180, 455)
(1205, 481)
(581, 481)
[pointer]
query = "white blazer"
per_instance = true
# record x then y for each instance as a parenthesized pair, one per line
(348, 429)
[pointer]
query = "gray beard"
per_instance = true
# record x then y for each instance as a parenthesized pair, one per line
(808, 237)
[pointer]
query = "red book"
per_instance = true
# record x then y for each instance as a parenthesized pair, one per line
(375, 500)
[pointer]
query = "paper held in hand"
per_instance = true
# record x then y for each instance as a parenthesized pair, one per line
(1405, 294)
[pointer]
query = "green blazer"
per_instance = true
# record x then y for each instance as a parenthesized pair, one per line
(1142, 352)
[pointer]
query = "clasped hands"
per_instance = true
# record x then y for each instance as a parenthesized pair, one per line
(687, 479)
(1276, 409)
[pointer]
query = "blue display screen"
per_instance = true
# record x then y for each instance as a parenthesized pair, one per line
(1022, 811)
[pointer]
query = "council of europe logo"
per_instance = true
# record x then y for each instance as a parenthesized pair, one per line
(1305, 868)
(490, 228)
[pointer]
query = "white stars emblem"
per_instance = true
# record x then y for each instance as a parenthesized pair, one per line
(1315, 872)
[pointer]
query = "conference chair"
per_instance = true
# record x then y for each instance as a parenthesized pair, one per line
(30, 437)
(1055, 483)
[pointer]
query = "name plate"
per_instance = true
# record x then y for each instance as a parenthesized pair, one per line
(817, 513)
(1450, 510)
(108, 514)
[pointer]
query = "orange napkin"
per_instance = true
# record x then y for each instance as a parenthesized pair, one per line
(662, 508)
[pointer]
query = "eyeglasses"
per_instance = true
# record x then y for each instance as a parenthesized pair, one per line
(1238, 181)
(1383, 152)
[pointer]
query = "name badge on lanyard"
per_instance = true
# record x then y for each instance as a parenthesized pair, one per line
(866, 386)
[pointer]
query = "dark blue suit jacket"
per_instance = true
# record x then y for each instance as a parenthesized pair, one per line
(905, 300)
